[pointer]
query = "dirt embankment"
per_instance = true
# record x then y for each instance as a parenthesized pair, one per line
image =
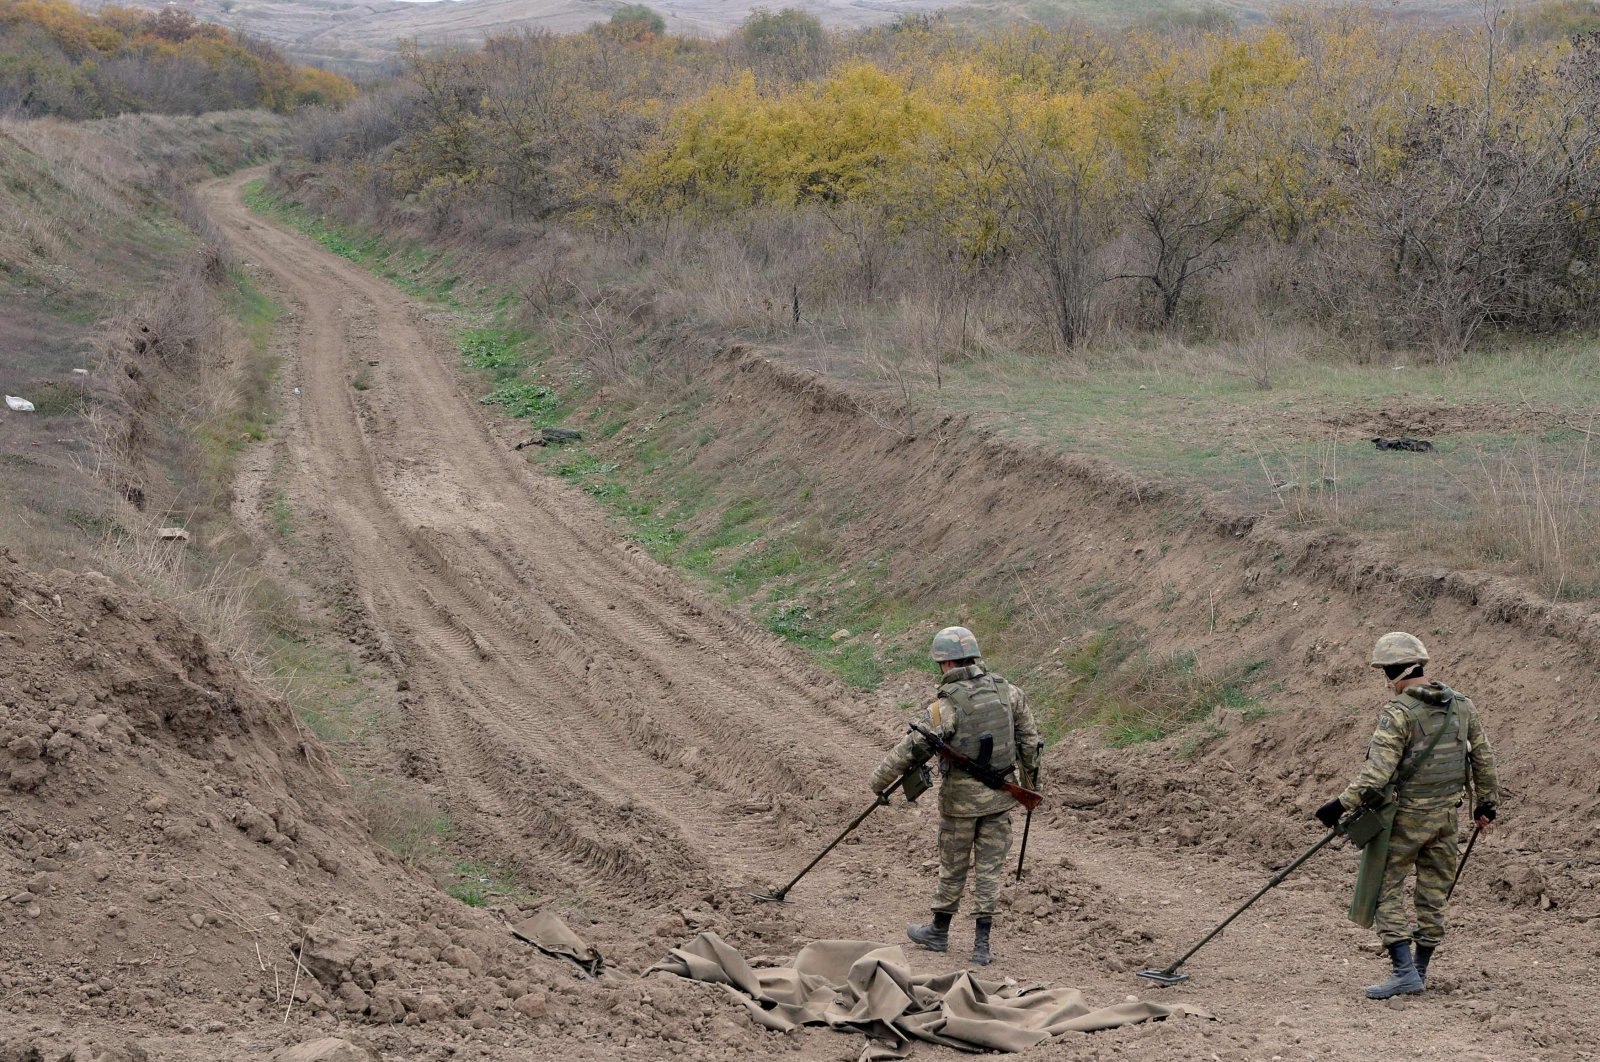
(955, 507)
(184, 876)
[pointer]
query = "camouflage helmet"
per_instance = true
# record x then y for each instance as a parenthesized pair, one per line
(1398, 647)
(955, 643)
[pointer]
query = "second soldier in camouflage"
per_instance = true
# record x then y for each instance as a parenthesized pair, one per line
(986, 718)
(1431, 739)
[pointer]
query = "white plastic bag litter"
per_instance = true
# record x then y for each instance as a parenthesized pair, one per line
(18, 405)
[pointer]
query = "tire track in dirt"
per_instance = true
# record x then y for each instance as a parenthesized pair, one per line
(565, 692)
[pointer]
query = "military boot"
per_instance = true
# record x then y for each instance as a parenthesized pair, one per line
(1404, 981)
(980, 943)
(1424, 956)
(934, 936)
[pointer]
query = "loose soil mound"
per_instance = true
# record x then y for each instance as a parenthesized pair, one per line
(173, 841)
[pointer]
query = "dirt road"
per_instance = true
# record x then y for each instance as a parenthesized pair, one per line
(638, 749)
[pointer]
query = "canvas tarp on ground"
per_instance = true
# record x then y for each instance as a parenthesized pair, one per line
(866, 987)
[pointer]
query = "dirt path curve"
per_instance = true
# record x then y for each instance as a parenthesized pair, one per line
(563, 687)
(579, 707)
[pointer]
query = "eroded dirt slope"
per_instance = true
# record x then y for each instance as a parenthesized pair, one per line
(173, 846)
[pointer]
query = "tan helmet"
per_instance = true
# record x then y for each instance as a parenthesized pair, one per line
(1398, 647)
(955, 643)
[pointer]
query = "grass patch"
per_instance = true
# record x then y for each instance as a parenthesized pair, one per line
(60, 398)
(525, 401)
(402, 819)
(327, 687)
(282, 514)
(417, 270)
(1152, 696)
(499, 350)
(479, 884)
(247, 420)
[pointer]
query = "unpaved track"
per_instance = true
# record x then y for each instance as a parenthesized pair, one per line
(567, 692)
(625, 737)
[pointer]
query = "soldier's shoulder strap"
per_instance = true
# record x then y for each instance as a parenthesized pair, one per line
(1406, 774)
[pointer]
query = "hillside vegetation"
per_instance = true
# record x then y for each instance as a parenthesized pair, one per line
(58, 60)
(1045, 190)
(1228, 258)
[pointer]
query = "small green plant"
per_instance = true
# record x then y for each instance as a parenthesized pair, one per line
(478, 884)
(493, 349)
(791, 622)
(282, 514)
(524, 401)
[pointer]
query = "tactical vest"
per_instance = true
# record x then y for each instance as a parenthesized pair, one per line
(1444, 774)
(983, 720)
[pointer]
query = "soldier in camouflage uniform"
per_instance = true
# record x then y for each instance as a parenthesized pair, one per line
(982, 715)
(1425, 826)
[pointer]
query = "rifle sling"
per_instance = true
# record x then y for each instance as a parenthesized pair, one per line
(988, 776)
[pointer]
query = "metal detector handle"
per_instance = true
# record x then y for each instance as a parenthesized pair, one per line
(1277, 879)
(881, 802)
(1027, 824)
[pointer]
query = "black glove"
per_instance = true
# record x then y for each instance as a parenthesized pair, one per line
(1484, 811)
(1330, 813)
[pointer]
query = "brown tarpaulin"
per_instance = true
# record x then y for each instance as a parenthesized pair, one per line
(551, 935)
(860, 986)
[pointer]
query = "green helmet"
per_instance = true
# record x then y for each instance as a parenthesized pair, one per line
(1398, 647)
(955, 643)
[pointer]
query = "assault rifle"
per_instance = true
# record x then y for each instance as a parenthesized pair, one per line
(983, 773)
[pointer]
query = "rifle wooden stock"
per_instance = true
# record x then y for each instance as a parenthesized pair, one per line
(994, 780)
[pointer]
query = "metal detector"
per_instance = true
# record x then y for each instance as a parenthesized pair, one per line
(780, 896)
(1170, 975)
(1462, 865)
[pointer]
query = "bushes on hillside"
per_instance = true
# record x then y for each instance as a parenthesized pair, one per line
(1329, 170)
(58, 60)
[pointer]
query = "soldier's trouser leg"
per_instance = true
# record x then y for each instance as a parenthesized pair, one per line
(1414, 832)
(955, 858)
(990, 848)
(1436, 867)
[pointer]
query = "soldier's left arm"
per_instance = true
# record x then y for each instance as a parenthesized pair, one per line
(907, 753)
(1383, 756)
(1026, 732)
(1485, 778)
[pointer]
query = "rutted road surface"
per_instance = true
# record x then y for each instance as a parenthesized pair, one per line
(637, 748)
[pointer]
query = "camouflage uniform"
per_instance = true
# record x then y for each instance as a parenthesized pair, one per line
(1425, 826)
(975, 821)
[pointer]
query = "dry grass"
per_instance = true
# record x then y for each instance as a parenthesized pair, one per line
(219, 599)
(1537, 506)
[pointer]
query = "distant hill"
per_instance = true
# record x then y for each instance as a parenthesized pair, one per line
(356, 36)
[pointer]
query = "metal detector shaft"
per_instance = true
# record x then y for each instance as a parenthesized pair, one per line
(882, 801)
(1022, 853)
(1476, 830)
(1277, 879)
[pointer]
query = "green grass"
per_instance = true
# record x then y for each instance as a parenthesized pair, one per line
(248, 419)
(282, 514)
(498, 349)
(327, 686)
(1157, 695)
(1506, 488)
(525, 401)
(479, 884)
